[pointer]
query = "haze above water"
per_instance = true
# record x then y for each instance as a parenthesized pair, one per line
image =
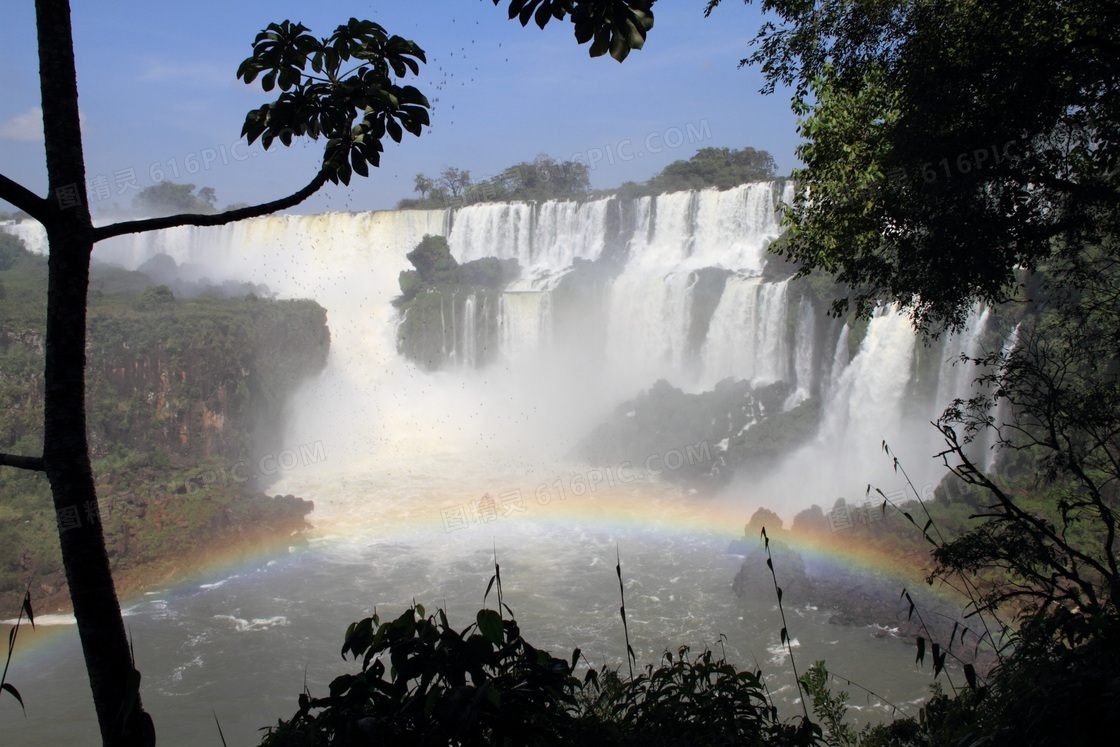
(405, 456)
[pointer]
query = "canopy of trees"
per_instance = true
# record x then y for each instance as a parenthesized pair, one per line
(722, 168)
(543, 178)
(947, 145)
(168, 198)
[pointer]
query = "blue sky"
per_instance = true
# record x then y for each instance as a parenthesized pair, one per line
(158, 95)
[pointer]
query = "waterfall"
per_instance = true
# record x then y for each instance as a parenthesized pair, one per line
(991, 440)
(747, 337)
(544, 239)
(469, 335)
(524, 323)
(613, 295)
(840, 357)
(867, 402)
(955, 378)
(803, 354)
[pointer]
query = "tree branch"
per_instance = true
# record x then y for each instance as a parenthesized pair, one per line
(217, 219)
(35, 464)
(24, 199)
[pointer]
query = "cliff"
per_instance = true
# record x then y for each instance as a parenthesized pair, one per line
(449, 311)
(185, 406)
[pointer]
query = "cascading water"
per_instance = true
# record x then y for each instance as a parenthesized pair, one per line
(803, 367)
(956, 375)
(747, 338)
(612, 296)
(683, 299)
(991, 441)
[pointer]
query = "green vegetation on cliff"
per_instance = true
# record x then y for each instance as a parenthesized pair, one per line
(544, 178)
(185, 397)
(442, 301)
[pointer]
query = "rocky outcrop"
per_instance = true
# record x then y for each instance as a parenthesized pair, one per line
(742, 429)
(184, 398)
(200, 378)
(450, 311)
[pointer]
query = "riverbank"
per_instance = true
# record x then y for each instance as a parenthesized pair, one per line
(260, 525)
(884, 589)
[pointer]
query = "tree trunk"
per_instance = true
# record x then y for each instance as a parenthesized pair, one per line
(113, 679)
(66, 461)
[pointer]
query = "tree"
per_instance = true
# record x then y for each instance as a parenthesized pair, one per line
(544, 178)
(947, 146)
(454, 181)
(1053, 535)
(350, 111)
(423, 186)
(964, 153)
(722, 168)
(168, 198)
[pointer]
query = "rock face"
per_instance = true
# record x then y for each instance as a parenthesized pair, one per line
(450, 311)
(205, 378)
(877, 599)
(185, 402)
(734, 428)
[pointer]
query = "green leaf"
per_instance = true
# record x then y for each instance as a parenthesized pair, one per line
(361, 169)
(543, 15)
(394, 130)
(938, 659)
(601, 44)
(490, 625)
(430, 700)
(921, 651)
(619, 48)
(15, 693)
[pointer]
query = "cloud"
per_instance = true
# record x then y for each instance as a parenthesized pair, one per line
(26, 127)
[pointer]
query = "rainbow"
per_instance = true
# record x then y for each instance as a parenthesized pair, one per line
(660, 513)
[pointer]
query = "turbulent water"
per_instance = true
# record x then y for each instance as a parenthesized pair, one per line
(406, 456)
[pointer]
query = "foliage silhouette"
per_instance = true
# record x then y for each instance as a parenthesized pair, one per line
(422, 680)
